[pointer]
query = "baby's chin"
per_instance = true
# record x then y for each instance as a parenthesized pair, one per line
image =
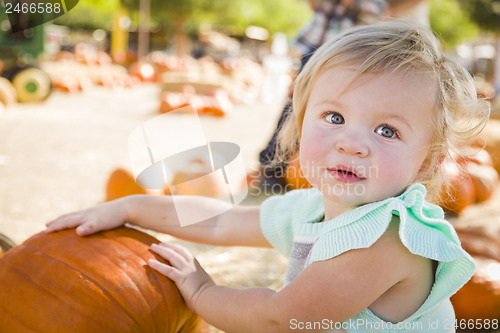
(356, 195)
(345, 196)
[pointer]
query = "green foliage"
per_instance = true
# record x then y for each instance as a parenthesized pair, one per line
(450, 23)
(486, 13)
(90, 14)
(186, 16)
(233, 15)
(276, 16)
(171, 8)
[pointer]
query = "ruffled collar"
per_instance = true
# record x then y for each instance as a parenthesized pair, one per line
(422, 230)
(412, 198)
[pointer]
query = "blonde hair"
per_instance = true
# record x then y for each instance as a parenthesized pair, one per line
(396, 46)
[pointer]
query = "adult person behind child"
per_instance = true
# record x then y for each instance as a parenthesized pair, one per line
(330, 18)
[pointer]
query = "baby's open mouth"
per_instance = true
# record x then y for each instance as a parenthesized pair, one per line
(345, 174)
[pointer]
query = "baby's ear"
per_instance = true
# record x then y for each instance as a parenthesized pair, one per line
(438, 160)
(431, 164)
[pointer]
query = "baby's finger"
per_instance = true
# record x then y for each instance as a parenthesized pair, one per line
(64, 222)
(169, 271)
(184, 252)
(87, 228)
(172, 256)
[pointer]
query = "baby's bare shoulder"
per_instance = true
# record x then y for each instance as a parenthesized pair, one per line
(391, 246)
(415, 275)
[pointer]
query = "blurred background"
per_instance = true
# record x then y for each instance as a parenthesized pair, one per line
(72, 90)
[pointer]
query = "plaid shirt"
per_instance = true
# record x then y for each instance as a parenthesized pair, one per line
(332, 17)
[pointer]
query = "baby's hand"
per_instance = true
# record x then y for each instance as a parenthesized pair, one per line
(101, 217)
(185, 271)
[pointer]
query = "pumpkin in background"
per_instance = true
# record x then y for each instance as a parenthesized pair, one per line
(459, 193)
(214, 105)
(121, 183)
(171, 101)
(294, 177)
(69, 84)
(197, 178)
(204, 185)
(474, 180)
(60, 282)
(478, 166)
(251, 180)
(143, 70)
(484, 179)
(480, 297)
(489, 138)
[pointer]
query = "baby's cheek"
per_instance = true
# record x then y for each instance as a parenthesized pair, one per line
(311, 154)
(392, 167)
(309, 165)
(404, 169)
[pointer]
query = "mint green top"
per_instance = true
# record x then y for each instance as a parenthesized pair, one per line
(289, 222)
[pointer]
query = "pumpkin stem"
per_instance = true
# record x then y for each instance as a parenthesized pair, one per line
(6, 243)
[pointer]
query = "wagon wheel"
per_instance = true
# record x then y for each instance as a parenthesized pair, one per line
(32, 85)
(5, 244)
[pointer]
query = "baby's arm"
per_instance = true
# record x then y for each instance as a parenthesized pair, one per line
(333, 290)
(236, 226)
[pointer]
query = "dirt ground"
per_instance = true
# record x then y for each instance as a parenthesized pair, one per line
(55, 157)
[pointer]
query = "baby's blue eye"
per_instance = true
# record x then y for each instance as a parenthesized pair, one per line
(386, 132)
(335, 118)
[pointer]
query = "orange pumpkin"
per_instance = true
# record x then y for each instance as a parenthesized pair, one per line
(485, 180)
(121, 183)
(489, 138)
(251, 180)
(294, 176)
(60, 282)
(142, 70)
(211, 110)
(459, 194)
(171, 101)
(197, 179)
(480, 297)
(68, 84)
(475, 183)
(205, 105)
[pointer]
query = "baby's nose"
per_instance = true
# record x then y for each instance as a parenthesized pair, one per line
(352, 145)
